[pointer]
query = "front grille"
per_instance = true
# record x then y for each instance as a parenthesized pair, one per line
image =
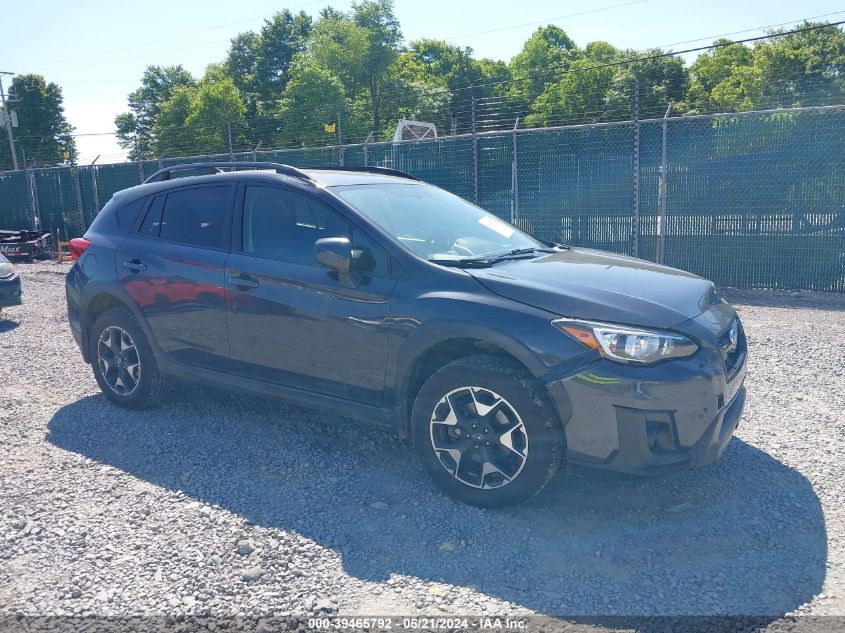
(734, 349)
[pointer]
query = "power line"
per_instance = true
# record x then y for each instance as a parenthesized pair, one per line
(758, 28)
(546, 21)
(189, 33)
(652, 57)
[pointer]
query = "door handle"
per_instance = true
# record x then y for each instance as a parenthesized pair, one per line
(135, 265)
(243, 283)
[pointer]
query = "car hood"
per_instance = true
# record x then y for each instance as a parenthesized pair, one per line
(587, 284)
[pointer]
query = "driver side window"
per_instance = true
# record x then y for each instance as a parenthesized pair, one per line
(283, 225)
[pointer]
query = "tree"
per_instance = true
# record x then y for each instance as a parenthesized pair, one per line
(548, 50)
(198, 119)
(314, 96)
(581, 93)
(718, 70)
(259, 63)
(580, 96)
(359, 48)
(803, 69)
(135, 128)
(661, 80)
(43, 132)
(240, 65)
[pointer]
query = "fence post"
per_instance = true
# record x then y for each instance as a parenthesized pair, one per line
(30, 197)
(94, 187)
(366, 155)
(229, 134)
(660, 247)
(474, 155)
(141, 177)
(515, 177)
(36, 202)
(635, 210)
(77, 192)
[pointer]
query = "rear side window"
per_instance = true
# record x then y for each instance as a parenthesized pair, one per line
(195, 217)
(152, 221)
(128, 214)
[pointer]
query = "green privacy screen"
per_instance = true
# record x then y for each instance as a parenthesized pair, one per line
(750, 200)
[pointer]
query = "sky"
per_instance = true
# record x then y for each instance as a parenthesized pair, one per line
(97, 50)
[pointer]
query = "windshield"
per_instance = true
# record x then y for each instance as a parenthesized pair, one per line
(433, 223)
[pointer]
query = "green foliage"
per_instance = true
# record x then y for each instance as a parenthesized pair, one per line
(135, 128)
(43, 133)
(580, 93)
(660, 81)
(313, 97)
(199, 118)
(259, 63)
(359, 48)
(803, 69)
(548, 51)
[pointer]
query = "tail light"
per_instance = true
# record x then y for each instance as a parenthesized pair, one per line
(77, 247)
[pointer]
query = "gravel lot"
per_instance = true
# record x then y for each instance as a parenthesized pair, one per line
(231, 505)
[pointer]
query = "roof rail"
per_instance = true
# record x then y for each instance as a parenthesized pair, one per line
(373, 170)
(217, 167)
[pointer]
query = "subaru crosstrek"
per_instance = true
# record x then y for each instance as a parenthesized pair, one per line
(367, 292)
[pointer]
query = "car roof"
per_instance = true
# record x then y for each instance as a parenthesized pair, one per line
(327, 177)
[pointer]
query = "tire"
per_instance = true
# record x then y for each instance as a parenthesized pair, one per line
(517, 429)
(117, 332)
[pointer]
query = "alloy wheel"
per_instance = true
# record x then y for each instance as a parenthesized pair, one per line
(117, 358)
(479, 437)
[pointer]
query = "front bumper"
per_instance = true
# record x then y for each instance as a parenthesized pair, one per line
(650, 420)
(10, 292)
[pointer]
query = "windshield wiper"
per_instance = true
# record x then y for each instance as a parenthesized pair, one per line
(489, 260)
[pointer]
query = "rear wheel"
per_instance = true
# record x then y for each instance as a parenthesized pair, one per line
(486, 432)
(123, 362)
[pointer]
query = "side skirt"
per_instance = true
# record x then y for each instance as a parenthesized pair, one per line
(311, 399)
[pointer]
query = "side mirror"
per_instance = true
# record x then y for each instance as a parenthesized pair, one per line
(334, 253)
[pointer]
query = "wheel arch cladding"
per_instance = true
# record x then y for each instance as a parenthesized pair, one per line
(436, 356)
(97, 305)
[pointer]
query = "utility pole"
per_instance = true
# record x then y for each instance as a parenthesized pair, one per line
(8, 118)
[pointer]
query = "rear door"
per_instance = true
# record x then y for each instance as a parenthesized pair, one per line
(173, 268)
(295, 322)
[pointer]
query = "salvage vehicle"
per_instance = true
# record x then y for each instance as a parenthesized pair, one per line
(25, 244)
(367, 292)
(10, 284)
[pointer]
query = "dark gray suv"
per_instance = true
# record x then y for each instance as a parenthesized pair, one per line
(365, 291)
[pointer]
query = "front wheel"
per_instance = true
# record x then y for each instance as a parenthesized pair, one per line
(123, 362)
(486, 432)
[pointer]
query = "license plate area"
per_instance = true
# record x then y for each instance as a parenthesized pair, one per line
(735, 383)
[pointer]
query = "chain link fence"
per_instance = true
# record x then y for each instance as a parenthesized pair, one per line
(750, 200)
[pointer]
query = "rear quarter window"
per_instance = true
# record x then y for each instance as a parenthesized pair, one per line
(128, 214)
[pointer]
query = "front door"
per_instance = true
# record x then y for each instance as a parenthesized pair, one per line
(295, 322)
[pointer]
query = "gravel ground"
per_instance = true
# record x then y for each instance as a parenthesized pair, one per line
(231, 505)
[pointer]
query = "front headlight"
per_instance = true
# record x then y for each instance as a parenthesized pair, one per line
(7, 269)
(627, 345)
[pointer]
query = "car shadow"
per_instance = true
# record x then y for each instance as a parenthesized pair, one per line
(6, 324)
(745, 536)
